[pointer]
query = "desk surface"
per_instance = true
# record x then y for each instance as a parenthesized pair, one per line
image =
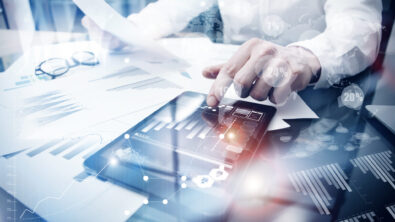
(341, 140)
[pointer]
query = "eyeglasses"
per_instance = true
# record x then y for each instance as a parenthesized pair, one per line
(55, 67)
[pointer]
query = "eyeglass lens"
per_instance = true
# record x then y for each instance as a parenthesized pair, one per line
(85, 58)
(55, 66)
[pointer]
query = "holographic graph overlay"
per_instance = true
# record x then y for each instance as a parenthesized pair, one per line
(193, 131)
(368, 216)
(59, 197)
(314, 182)
(379, 164)
(391, 210)
(352, 97)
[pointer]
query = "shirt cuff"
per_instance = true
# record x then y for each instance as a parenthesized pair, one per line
(317, 47)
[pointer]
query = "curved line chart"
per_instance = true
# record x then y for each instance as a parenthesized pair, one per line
(54, 197)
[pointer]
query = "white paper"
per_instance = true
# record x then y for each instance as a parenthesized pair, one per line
(88, 94)
(151, 56)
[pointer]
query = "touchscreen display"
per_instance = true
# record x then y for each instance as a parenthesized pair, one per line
(186, 144)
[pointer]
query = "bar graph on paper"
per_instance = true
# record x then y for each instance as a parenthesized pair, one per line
(378, 164)
(67, 148)
(49, 107)
(314, 183)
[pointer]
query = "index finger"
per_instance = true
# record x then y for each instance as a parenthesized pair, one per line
(228, 71)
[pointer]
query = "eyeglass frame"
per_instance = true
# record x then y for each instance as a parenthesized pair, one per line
(69, 66)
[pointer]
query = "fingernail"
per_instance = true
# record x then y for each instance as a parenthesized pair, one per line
(211, 101)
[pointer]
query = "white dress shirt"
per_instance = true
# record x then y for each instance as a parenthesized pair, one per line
(343, 34)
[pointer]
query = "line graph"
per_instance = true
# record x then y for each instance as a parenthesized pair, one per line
(33, 211)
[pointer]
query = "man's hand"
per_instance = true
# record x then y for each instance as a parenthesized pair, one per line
(258, 66)
(104, 38)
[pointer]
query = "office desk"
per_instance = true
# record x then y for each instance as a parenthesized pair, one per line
(328, 144)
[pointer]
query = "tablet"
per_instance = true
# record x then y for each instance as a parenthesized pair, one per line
(187, 158)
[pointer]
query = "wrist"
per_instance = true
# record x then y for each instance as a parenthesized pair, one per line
(311, 61)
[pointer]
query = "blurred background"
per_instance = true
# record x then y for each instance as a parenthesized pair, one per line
(24, 23)
(64, 16)
(54, 21)
(55, 15)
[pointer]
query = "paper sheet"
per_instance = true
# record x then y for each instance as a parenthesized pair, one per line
(85, 96)
(152, 57)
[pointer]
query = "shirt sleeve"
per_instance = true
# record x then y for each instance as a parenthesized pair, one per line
(165, 17)
(350, 42)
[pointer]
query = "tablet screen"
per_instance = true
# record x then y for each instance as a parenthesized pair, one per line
(185, 144)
